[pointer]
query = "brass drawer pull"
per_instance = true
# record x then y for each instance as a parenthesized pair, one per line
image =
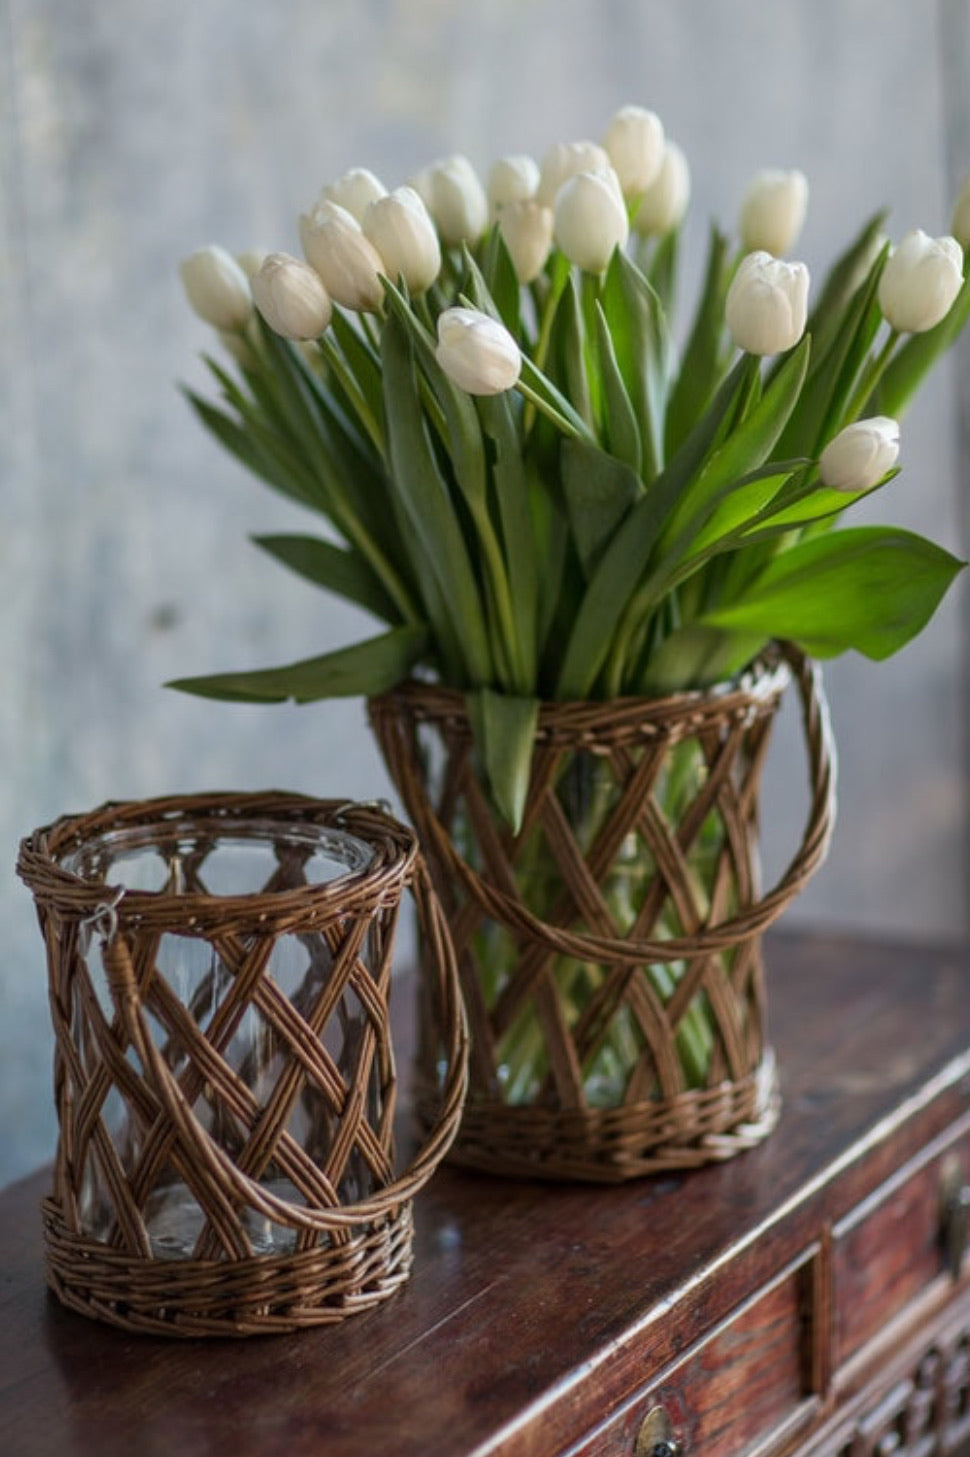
(656, 1437)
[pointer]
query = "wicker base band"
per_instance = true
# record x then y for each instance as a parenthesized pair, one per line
(612, 1145)
(264, 1295)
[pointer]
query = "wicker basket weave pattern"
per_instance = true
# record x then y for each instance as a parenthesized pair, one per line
(197, 1113)
(658, 1121)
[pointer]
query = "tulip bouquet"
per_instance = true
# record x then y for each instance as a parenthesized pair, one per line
(524, 481)
(540, 497)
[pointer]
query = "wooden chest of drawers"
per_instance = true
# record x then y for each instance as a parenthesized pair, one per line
(809, 1298)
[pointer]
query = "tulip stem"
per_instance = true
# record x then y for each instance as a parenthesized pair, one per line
(557, 285)
(353, 392)
(371, 332)
(540, 392)
(871, 376)
(548, 410)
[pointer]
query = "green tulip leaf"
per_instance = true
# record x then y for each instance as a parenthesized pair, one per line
(242, 441)
(742, 502)
(638, 329)
(363, 362)
(505, 728)
(744, 449)
(843, 280)
(801, 504)
(662, 271)
(566, 360)
(428, 506)
(622, 564)
(360, 670)
(338, 569)
(622, 431)
(822, 407)
(502, 283)
(461, 421)
(698, 657)
(520, 556)
(700, 369)
(870, 588)
(599, 491)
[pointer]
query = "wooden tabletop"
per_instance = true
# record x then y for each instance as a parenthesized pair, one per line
(532, 1310)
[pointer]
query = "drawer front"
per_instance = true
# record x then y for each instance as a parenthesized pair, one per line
(747, 1378)
(919, 1408)
(895, 1245)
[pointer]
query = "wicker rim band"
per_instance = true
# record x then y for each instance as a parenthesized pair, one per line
(394, 854)
(648, 718)
(396, 866)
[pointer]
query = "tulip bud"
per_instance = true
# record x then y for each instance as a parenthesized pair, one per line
(477, 352)
(512, 179)
(400, 228)
(960, 227)
(591, 219)
(563, 161)
(350, 266)
(355, 191)
(291, 297)
(217, 288)
(527, 229)
(920, 281)
(455, 199)
(773, 212)
(634, 142)
(250, 260)
(860, 455)
(767, 304)
(665, 200)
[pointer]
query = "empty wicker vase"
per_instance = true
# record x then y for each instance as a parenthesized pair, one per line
(610, 953)
(224, 1072)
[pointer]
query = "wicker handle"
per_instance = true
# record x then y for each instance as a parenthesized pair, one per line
(747, 923)
(230, 1183)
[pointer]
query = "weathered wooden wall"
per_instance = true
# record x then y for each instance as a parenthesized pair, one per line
(131, 133)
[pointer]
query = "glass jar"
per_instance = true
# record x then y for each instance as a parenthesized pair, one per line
(190, 980)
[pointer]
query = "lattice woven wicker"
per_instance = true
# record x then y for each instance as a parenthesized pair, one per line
(194, 1112)
(659, 1122)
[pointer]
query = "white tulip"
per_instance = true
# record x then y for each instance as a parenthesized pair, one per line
(291, 297)
(250, 260)
(767, 304)
(477, 352)
(217, 288)
(350, 266)
(773, 211)
(512, 179)
(527, 229)
(960, 226)
(860, 455)
(400, 228)
(354, 190)
(634, 142)
(563, 161)
(920, 281)
(665, 200)
(455, 198)
(591, 219)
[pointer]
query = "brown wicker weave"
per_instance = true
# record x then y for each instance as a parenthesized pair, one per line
(191, 1112)
(659, 1122)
